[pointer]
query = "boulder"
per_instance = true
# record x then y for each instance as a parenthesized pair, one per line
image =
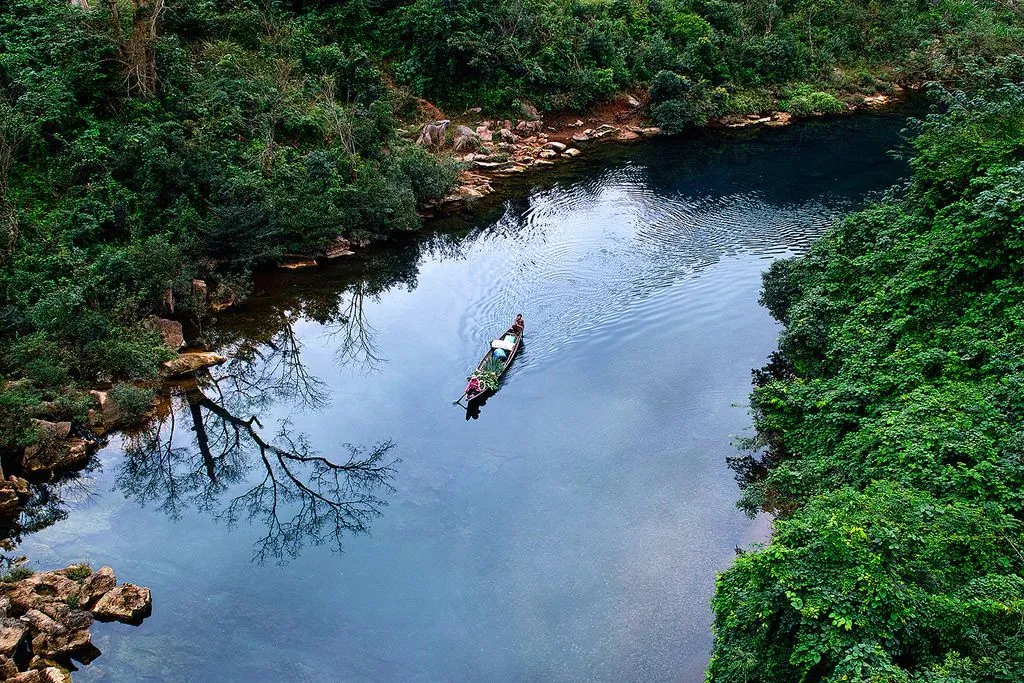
(556, 146)
(632, 101)
(484, 133)
(127, 603)
(8, 669)
(571, 152)
(30, 676)
(96, 586)
(544, 162)
(432, 135)
(528, 127)
(547, 154)
(580, 137)
(199, 291)
(189, 363)
(55, 455)
(466, 139)
(339, 247)
(12, 634)
(32, 592)
(169, 330)
(14, 492)
(508, 137)
(59, 637)
(223, 297)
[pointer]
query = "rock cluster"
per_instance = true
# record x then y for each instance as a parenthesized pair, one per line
(773, 120)
(45, 620)
(504, 147)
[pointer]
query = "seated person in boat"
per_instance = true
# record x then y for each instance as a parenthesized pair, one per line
(519, 326)
(473, 388)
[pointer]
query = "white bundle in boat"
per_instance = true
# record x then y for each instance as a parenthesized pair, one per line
(502, 344)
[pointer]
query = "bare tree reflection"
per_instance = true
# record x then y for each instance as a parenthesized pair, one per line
(298, 494)
(273, 370)
(352, 335)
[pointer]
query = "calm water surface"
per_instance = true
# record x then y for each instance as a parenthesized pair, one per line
(571, 530)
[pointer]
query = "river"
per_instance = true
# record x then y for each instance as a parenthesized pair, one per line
(570, 530)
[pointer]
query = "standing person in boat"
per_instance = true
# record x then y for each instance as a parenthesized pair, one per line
(519, 326)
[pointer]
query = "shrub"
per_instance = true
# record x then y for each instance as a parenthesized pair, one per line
(78, 572)
(132, 402)
(16, 574)
(805, 101)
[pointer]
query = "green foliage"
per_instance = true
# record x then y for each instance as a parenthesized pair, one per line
(16, 574)
(803, 100)
(133, 403)
(78, 572)
(269, 131)
(891, 431)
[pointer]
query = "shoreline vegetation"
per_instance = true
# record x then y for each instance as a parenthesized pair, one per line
(154, 155)
(888, 429)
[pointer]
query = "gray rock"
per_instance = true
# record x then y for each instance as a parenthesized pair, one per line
(432, 135)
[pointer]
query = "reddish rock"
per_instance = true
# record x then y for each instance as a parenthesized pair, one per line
(8, 669)
(96, 586)
(54, 452)
(12, 634)
(339, 247)
(169, 330)
(293, 262)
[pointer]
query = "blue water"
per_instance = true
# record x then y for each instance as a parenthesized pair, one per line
(572, 530)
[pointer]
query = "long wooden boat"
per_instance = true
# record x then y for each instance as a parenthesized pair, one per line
(510, 354)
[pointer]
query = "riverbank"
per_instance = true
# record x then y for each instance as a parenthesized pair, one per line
(494, 150)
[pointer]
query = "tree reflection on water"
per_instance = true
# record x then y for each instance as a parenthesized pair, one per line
(234, 468)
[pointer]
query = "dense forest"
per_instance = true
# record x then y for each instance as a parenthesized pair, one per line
(892, 428)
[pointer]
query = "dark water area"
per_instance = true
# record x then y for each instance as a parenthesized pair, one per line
(571, 530)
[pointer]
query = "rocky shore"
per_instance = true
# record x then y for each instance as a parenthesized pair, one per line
(45, 620)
